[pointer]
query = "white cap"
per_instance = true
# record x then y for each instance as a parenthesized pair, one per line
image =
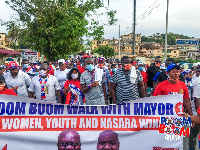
(61, 61)
(140, 63)
(162, 66)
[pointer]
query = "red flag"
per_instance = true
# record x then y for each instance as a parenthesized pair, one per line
(5, 147)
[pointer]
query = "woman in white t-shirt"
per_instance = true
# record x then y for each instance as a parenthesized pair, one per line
(61, 75)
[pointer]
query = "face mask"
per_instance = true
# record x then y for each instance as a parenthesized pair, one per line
(127, 66)
(74, 76)
(115, 69)
(42, 73)
(36, 73)
(157, 64)
(90, 67)
(188, 79)
(100, 66)
(25, 66)
(140, 68)
(2, 87)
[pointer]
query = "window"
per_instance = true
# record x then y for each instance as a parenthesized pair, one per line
(158, 51)
(184, 52)
(149, 51)
(1, 43)
(174, 51)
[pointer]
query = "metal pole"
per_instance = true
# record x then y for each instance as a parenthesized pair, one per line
(165, 53)
(134, 24)
(119, 42)
(114, 47)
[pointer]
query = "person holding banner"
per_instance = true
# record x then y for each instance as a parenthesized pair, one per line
(17, 80)
(61, 75)
(72, 88)
(173, 86)
(69, 139)
(125, 82)
(45, 86)
(92, 84)
(108, 139)
(3, 89)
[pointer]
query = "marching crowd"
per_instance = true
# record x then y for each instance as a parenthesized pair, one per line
(98, 81)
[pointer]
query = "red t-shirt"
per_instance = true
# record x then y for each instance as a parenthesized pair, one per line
(198, 110)
(8, 92)
(144, 75)
(165, 88)
(74, 82)
(81, 70)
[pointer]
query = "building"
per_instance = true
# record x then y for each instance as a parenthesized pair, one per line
(151, 49)
(194, 55)
(126, 44)
(186, 46)
(129, 38)
(173, 52)
(4, 41)
(188, 41)
(183, 53)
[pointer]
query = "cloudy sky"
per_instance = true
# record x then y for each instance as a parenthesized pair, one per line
(184, 17)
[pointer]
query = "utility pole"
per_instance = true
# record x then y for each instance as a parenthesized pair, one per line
(119, 42)
(114, 46)
(165, 53)
(134, 24)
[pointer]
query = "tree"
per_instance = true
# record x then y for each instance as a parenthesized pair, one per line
(56, 27)
(105, 51)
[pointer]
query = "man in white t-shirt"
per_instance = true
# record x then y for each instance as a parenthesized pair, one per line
(17, 80)
(61, 75)
(45, 86)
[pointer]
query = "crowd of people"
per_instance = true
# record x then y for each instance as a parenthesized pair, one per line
(90, 80)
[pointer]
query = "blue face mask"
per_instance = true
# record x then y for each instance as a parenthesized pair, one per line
(188, 79)
(115, 69)
(25, 66)
(140, 68)
(90, 67)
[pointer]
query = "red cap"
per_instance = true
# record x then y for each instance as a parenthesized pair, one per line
(85, 56)
(12, 65)
(134, 63)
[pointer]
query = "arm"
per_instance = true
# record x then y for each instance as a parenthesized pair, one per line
(154, 87)
(85, 89)
(142, 89)
(113, 91)
(57, 90)
(187, 105)
(104, 91)
(31, 94)
(58, 93)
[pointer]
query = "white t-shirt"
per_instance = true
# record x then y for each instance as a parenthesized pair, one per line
(61, 76)
(22, 80)
(196, 86)
(52, 85)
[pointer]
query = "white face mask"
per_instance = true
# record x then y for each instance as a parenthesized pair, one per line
(74, 76)
(42, 73)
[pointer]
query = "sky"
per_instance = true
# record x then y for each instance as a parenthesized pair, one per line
(184, 17)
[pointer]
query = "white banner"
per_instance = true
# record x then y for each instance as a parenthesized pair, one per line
(35, 125)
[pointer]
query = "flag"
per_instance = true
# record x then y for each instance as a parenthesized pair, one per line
(5, 147)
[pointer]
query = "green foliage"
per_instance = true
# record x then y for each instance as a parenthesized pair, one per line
(105, 51)
(56, 27)
(160, 38)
